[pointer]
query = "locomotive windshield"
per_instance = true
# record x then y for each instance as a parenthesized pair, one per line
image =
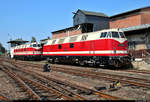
(103, 35)
(115, 35)
(122, 35)
(36, 45)
(39, 45)
(108, 34)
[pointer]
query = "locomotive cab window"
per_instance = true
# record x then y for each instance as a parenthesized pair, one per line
(59, 46)
(115, 35)
(122, 35)
(103, 35)
(34, 45)
(108, 35)
(39, 45)
(71, 45)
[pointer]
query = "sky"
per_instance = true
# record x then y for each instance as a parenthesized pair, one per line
(38, 18)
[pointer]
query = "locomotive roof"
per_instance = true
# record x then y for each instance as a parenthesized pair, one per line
(81, 37)
(105, 30)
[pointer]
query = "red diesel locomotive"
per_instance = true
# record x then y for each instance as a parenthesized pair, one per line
(106, 47)
(32, 51)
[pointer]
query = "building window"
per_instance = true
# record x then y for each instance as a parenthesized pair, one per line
(59, 46)
(131, 45)
(71, 45)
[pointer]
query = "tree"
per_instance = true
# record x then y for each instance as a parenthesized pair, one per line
(2, 49)
(33, 39)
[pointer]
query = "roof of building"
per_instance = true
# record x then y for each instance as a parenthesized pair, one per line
(129, 12)
(91, 13)
(144, 26)
(17, 41)
(66, 29)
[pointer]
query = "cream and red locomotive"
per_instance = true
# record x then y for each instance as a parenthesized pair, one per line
(32, 51)
(105, 47)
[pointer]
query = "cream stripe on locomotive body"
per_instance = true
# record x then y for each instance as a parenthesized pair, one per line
(87, 52)
(101, 47)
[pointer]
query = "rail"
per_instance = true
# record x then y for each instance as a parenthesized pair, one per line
(3, 98)
(106, 96)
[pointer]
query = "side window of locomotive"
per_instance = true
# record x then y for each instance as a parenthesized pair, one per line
(84, 37)
(108, 35)
(71, 45)
(61, 41)
(115, 35)
(103, 35)
(59, 46)
(34, 45)
(73, 39)
(122, 35)
(39, 45)
(53, 41)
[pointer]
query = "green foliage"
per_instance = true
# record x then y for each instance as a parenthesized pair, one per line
(2, 49)
(33, 39)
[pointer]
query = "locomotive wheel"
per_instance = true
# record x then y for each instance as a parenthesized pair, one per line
(117, 64)
(81, 63)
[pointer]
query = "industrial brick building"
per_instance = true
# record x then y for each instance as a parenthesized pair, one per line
(136, 25)
(131, 18)
(84, 22)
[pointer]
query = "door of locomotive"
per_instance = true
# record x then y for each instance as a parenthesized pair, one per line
(92, 48)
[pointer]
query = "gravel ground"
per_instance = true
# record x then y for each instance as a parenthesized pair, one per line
(9, 88)
(127, 92)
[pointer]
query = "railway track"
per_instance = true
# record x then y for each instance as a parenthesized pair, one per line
(38, 65)
(3, 98)
(132, 71)
(105, 96)
(29, 91)
(36, 89)
(100, 75)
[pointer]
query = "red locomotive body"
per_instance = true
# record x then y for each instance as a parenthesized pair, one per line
(107, 47)
(31, 51)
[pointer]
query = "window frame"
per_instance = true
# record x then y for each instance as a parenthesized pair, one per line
(102, 35)
(71, 45)
(59, 46)
(115, 34)
(109, 35)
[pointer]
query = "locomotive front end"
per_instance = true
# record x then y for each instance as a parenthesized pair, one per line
(119, 46)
